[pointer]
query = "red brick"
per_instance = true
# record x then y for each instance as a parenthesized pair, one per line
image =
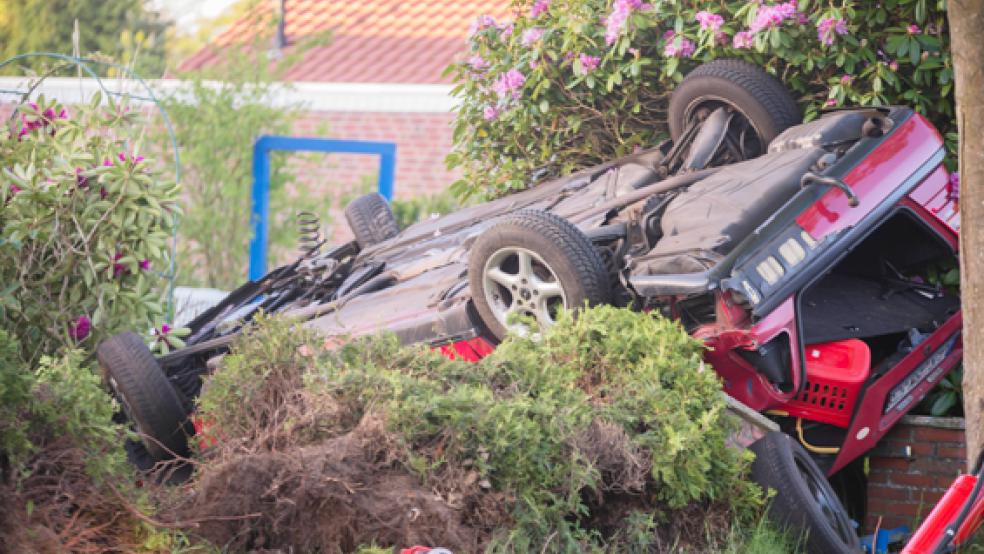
(887, 493)
(912, 479)
(909, 508)
(877, 476)
(938, 435)
(936, 466)
(954, 452)
(899, 464)
(901, 433)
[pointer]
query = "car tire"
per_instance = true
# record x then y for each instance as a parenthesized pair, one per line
(371, 219)
(804, 501)
(563, 269)
(743, 86)
(145, 394)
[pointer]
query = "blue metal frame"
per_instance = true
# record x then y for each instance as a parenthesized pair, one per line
(261, 180)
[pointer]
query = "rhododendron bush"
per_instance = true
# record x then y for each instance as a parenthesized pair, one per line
(570, 83)
(85, 222)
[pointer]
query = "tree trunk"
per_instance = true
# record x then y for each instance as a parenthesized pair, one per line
(966, 19)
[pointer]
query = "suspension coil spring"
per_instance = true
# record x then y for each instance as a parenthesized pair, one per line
(309, 238)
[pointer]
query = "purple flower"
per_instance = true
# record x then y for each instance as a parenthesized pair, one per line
(80, 329)
(478, 63)
(531, 36)
(773, 16)
(145, 264)
(743, 39)
(505, 30)
(481, 23)
(588, 63)
(539, 7)
(118, 268)
(490, 113)
(709, 20)
(912, 29)
(509, 83)
(81, 180)
(953, 186)
(679, 47)
(14, 189)
(828, 27)
(162, 334)
(615, 22)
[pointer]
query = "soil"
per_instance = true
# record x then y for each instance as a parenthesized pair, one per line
(330, 497)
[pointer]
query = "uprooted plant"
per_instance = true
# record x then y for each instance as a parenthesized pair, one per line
(605, 434)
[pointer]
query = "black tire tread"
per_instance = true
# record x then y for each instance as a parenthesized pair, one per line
(148, 392)
(765, 88)
(371, 219)
(573, 244)
(787, 507)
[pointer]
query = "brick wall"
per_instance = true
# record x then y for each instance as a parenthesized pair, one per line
(422, 141)
(911, 468)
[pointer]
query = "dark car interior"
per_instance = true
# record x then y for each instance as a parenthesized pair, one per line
(887, 291)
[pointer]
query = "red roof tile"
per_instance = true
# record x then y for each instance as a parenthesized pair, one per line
(372, 41)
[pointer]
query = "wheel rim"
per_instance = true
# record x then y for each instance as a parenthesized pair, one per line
(826, 501)
(745, 135)
(519, 281)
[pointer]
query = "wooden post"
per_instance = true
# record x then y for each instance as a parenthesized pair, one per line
(966, 19)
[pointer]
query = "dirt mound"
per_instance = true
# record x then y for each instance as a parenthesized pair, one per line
(330, 497)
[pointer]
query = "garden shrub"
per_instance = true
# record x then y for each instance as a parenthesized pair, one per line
(570, 83)
(607, 433)
(85, 229)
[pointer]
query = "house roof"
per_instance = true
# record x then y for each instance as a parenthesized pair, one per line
(372, 41)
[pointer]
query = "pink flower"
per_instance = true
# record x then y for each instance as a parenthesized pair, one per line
(912, 29)
(893, 65)
(478, 63)
(953, 186)
(773, 16)
(490, 113)
(831, 102)
(846, 79)
(80, 329)
(679, 47)
(144, 264)
(539, 7)
(588, 63)
(709, 20)
(615, 22)
(743, 39)
(481, 23)
(162, 334)
(828, 27)
(14, 189)
(534, 64)
(505, 30)
(531, 36)
(509, 83)
(721, 37)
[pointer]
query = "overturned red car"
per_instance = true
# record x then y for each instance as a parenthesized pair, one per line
(803, 255)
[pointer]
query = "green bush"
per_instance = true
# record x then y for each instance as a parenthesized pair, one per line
(571, 83)
(612, 401)
(218, 114)
(85, 227)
